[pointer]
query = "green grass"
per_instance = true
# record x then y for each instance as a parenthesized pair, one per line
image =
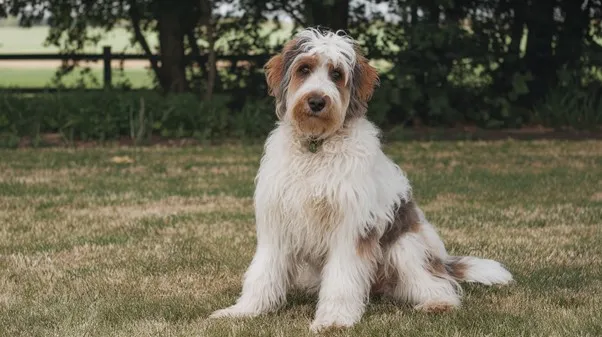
(149, 241)
(41, 77)
(31, 40)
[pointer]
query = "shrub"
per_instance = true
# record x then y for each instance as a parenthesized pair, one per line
(139, 115)
(571, 106)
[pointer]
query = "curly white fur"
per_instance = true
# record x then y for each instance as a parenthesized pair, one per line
(312, 209)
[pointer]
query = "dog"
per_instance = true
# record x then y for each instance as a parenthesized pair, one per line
(334, 215)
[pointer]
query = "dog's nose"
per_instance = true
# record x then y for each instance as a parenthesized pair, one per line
(316, 103)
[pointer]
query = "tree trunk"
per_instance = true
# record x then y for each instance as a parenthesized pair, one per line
(332, 14)
(136, 19)
(171, 41)
(570, 40)
(512, 61)
(519, 7)
(433, 11)
(539, 57)
(206, 8)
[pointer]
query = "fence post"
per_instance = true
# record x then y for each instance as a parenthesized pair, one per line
(106, 58)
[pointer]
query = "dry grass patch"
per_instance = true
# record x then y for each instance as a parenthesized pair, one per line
(444, 201)
(151, 245)
(46, 176)
(166, 207)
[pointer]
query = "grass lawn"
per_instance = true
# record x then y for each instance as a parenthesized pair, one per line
(32, 40)
(42, 77)
(149, 241)
(39, 74)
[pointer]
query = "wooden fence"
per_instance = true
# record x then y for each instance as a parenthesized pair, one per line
(107, 57)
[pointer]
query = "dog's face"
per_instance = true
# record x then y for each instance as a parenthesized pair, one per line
(320, 80)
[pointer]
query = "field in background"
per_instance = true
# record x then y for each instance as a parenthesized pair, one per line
(149, 241)
(40, 73)
(42, 77)
(31, 40)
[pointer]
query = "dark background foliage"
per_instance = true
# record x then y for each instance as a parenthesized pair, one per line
(486, 63)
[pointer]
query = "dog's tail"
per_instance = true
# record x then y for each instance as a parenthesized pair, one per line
(474, 269)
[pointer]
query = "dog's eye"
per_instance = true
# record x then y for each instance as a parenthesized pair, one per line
(304, 70)
(336, 75)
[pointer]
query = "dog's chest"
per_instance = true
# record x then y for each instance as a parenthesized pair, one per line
(311, 194)
(320, 211)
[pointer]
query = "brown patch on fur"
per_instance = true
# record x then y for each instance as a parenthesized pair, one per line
(297, 78)
(384, 280)
(455, 268)
(274, 69)
(323, 213)
(436, 266)
(312, 124)
(345, 92)
(406, 220)
(368, 78)
(367, 245)
(369, 249)
(363, 82)
(274, 73)
(452, 267)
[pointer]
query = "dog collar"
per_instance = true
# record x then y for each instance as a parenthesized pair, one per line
(314, 144)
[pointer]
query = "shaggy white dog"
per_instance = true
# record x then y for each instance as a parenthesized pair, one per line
(334, 214)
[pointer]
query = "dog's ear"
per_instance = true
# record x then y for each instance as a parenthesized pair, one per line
(275, 68)
(274, 73)
(366, 78)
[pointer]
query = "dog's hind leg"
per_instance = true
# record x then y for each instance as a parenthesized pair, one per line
(422, 280)
(427, 277)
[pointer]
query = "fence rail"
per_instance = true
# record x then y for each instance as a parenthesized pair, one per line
(107, 56)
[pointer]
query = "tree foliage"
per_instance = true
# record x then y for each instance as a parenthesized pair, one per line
(489, 62)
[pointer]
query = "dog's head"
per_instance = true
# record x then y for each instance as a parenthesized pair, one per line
(320, 80)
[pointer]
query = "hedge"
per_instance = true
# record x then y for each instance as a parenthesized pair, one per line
(109, 115)
(140, 115)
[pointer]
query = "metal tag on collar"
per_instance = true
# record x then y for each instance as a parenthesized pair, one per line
(313, 146)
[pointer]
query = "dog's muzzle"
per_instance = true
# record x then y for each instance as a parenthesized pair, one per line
(317, 103)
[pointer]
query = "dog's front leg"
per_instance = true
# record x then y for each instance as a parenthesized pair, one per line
(345, 286)
(265, 283)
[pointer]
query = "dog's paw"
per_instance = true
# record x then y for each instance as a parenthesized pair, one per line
(438, 306)
(234, 311)
(330, 323)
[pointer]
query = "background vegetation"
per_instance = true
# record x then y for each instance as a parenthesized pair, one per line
(148, 241)
(131, 241)
(444, 63)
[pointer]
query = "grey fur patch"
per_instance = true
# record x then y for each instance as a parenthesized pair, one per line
(406, 220)
(288, 56)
